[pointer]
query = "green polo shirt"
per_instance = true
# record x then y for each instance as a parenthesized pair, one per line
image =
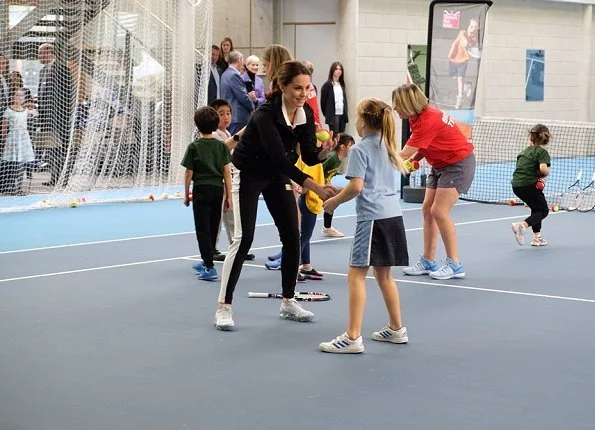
(206, 158)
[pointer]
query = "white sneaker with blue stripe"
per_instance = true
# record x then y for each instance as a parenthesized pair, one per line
(422, 267)
(387, 334)
(343, 345)
(449, 270)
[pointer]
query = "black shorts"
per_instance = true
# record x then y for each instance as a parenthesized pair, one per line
(379, 243)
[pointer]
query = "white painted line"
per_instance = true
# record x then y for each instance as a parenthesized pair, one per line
(89, 269)
(260, 266)
(155, 236)
(458, 287)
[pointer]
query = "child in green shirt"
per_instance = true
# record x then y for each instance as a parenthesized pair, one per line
(207, 164)
(532, 165)
(331, 167)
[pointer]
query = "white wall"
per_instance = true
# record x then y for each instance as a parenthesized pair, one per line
(249, 23)
(386, 27)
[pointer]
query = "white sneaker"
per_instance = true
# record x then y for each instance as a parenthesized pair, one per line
(387, 334)
(519, 232)
(538, 241)
(332, 232)
(343, 345)
(223, 319)
(292, 310)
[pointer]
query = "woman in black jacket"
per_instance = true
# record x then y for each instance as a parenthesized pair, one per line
(333, 99)
(265, 164)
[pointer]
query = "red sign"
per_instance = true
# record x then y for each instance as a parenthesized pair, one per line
(451, 18)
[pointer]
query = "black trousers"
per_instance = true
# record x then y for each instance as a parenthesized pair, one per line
(206, 205)
(279, 198)
(535, 199)
(328, 220)
(339, 125)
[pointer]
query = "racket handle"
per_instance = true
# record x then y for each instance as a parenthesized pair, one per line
(259, 295)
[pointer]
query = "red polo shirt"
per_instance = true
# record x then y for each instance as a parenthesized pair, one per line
(438, 138)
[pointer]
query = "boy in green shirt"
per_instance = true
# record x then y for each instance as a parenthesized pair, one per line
(532, 166)
(207, 164)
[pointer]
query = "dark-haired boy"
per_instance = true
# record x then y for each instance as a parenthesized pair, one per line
(207, 164)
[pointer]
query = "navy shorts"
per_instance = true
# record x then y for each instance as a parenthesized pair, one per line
(379, 243)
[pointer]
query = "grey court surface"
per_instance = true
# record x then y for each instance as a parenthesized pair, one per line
(119, 336)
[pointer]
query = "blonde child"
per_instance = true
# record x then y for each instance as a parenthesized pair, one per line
(18, 150)
(379, 239)
(533, 163)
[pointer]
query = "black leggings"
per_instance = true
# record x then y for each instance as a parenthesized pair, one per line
(280, 200)
(206, 205)
(536, 201)
(328, 220)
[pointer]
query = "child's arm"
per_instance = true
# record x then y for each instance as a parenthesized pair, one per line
(187, 182)
(544, 170)
(349, 192)
(227, 181)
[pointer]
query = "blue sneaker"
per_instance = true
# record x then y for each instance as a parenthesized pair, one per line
(449, 270)
(273, 265)
(208, 274)
(274, 257)
(199, 267)
(422, 267)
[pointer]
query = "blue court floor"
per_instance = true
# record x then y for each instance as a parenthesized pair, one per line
(103, 325)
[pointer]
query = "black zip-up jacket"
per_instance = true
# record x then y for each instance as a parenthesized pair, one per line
(269, 146)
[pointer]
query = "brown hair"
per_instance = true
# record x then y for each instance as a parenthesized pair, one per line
(540, 135)
(377, 115)
(286, 73)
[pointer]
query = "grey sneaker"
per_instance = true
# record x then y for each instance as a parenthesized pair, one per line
(223, 318)
(292, 310)
(519, 232)
(387, 334)
(449, 270)
(343, 345)
(422, 267)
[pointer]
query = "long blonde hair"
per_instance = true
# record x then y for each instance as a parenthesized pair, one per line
(377, 115)
(409, 99)
(275, 55)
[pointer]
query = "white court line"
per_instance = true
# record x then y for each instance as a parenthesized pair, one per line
(438, 284)
(155, 236)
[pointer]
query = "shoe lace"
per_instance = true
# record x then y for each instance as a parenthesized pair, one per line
(225, 312)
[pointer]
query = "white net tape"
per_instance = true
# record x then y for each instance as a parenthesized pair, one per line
(97, 98)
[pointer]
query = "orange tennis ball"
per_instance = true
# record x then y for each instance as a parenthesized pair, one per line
(540, 185)
(555, 208)
(151, 197)
(512, 202)
(323, 136)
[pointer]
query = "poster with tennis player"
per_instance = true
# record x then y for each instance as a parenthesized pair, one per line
(456, 48)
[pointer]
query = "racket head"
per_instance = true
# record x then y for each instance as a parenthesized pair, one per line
(311, 296)
(588, 201)
(568, 199)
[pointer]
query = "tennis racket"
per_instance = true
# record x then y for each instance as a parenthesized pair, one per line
(568, 197)
(585, 201)
(300, 296)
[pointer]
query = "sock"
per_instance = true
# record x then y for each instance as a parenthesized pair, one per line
(306, 267)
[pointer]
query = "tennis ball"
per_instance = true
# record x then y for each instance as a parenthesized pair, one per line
(323, 136)
(165, 196)
(512, 202)
(151, 197)
(178, 195)
(555, 208)
(540, 185)
(73, 204)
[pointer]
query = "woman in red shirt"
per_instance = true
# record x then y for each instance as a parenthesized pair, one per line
(436, 137)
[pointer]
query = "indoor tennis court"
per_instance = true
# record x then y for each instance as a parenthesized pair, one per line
(104, 325)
